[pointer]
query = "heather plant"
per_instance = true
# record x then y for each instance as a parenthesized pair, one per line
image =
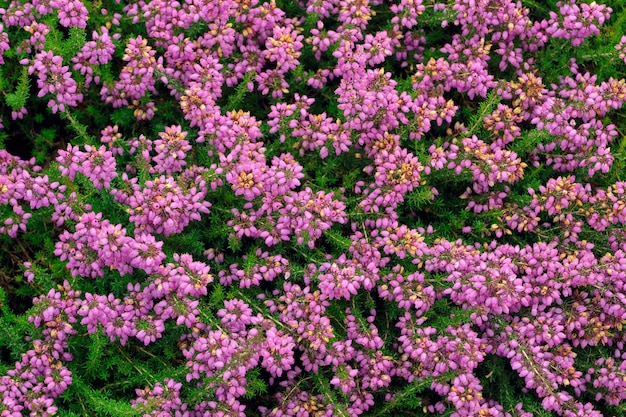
(312, 208)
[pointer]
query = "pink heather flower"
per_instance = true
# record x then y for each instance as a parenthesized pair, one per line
(164, 206)
(71, 13)
(267, 268)
(37, 39)
(576, 22)
(379, 46)
(162, 399)
(341, 279)
(171, 148)
(345, 379)
(621, 48)
(238, 135)
(527, 304)
(98, 51)
(143, 111)
(510, 55)
(198, 106)
(247, 179)
(54, 78)
(69, 161)
(149, 329)
(68, 208)
(321, 40)
(19, 114)
(94, 245)
(137, 77)
(42, 7)
(111, 137)
(284, 47)
(99, 166)
(236, 315)
(146, 253)
(273, 81)
(284, 175)
(18, 14)
(407, 12)
(465, 394)
(28, 273)
(409, 292)
(354, 12)
(191, 277)
(277, 352)
(43, 406)
(209, 354)
(324, 8)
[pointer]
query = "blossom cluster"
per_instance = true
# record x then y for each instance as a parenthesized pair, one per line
(315, 208)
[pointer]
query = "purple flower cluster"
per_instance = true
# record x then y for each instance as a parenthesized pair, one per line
(98, 165)
(266, 267)
(160, 400)
(165, 205)
(577, 22)
(54, 78)
(98, 51)
(71, 13)
(135, 80)
(306, 315)
(41, 376)
(23, 184)
(4, 43)
(142, 314)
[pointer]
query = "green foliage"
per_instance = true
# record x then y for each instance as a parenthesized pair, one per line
(477, 118)
(66, 413)
(217, 295)
(97, 116)
(337, 240)
(412, 398)
(44, 143)
(82, 131)
(122, 117)
(4, 81)
(419, 198)
(500, 381)
(73, 43)
(196, 29)
(97, 346)
(529, 141)
(187, 243)
(59, 44)
(17, 100)
(236, 97)
(95, 400)
(255, 386)
(13, 332)
(444, 313)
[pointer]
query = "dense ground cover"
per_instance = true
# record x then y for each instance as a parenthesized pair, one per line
(314, 208)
